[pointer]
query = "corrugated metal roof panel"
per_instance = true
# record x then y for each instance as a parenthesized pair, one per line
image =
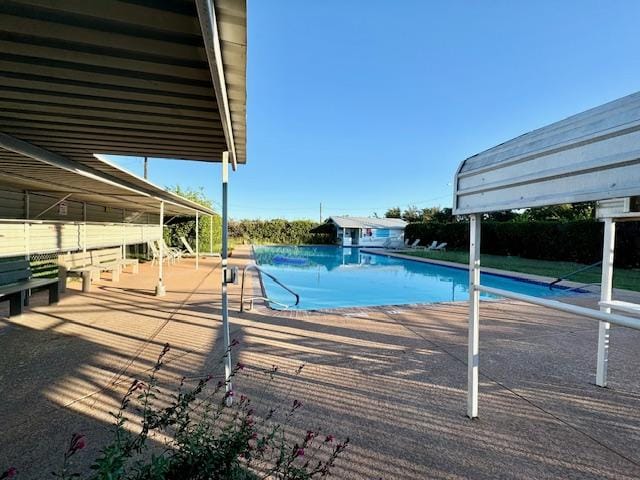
(368, 222)
(593, 155)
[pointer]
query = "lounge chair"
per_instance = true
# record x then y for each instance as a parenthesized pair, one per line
(174, 252)
(393, 244)
(441, 248)
(433, 245)
(192, 253)
(155, 252)
(414, 245)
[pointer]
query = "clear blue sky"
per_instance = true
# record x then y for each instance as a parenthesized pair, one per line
(364, 105)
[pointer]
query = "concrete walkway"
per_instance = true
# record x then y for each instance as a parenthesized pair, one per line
(392, 379)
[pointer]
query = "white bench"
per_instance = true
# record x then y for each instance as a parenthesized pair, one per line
(90, 264)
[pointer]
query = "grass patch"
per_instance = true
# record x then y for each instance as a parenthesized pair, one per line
(628, 279)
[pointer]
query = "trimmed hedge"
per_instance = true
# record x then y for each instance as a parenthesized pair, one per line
(577, 241)
(277, 231)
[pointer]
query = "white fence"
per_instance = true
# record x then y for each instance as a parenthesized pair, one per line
(24, 237)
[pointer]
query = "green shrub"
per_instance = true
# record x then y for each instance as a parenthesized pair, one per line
(577, 241)
(285, 232)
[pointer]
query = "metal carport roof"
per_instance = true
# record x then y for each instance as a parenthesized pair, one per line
(593, 155)
(93, 181)
(160, 79)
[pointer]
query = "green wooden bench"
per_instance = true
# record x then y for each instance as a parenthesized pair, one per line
(16, 282)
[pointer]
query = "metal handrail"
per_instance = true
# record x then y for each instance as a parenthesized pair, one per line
(573, 273)
(278, 282)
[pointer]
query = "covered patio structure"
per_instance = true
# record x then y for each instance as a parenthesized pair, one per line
(591, 156)
(150, 79)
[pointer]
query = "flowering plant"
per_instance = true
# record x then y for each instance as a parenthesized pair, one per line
(207, 432)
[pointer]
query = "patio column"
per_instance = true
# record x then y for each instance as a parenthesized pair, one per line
(474, 316)
(606, 288)
(223, 254)
(211, 234)
(160, 290)
(197, 240)
(27, 226)
(124, 233)
(84, 227)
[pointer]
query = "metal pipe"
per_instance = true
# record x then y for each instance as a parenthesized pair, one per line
(473, 353)
(608, 249)
(210, 233)
(621, 320)
(160, 290)
(224, 255)
(52, 206)
(558, 280)
(197, 240)
(257, 268)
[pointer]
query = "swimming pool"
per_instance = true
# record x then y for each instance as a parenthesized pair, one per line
(337, 277)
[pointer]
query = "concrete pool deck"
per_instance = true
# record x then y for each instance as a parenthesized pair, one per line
(393, 379)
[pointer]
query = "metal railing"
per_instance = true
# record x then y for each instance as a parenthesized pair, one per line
(276, 281)
(558, 280)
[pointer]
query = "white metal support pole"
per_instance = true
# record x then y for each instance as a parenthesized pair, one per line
(474, 317)
(84, 227)
(224, 253)
(344, 236)
(124, 233)
(211, 234)
(27, 226)
(197, 240)
(605, 296)
(160, 290)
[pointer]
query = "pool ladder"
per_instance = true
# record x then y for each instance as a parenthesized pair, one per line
(253, 266)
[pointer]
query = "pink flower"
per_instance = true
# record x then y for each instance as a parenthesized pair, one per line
(228, 394)
(299, 452)
(329, 438)
(77, 443)
(11, 472)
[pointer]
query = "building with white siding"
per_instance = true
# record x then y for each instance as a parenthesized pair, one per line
(367, 231)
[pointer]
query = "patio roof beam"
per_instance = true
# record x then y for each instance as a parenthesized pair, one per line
(40, 154)
(58, 202)
(211, 38)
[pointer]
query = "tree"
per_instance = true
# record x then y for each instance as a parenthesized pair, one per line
(503, 216)
(561, 213)
(393, 213)
(186, 226)
(412, 214)
(443, 215)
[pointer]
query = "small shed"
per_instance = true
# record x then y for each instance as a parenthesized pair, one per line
(591, 156)
(367, 231)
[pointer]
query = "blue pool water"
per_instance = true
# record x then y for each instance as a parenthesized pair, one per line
(336, 277)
